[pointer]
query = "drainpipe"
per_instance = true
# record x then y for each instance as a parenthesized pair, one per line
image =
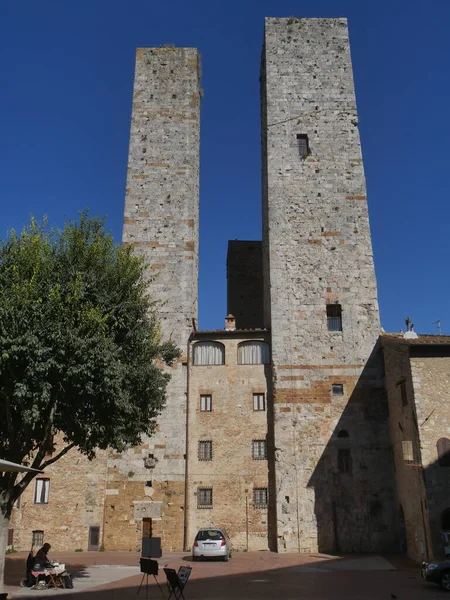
(186, 470)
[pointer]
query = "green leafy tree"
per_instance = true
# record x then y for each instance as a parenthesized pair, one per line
(80, 349)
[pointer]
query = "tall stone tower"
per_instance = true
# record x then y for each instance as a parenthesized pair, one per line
(161, 223)
(331, 444)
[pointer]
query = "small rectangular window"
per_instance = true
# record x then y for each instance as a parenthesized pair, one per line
(38, 538)
(260, 497)
(204, 498)
(344, 460)
(41, 491)
(205, 450)
(303, 145)
(259, 450)
(337, 389)
(206, 403)
(403, 395)
(259, 402)
(334, 317)
(408, 451)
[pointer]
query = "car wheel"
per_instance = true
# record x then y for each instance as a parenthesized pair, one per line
(445, 580)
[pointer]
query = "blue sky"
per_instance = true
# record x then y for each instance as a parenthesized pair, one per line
(66, 75)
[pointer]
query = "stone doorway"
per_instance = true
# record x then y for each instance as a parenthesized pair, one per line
(94, 538)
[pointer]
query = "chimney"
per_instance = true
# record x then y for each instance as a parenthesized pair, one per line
(230, 323)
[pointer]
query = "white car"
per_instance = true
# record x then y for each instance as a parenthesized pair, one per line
(211, 542)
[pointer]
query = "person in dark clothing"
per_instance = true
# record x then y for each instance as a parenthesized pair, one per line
(41, 557)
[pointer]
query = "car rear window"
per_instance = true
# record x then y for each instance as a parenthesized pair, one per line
(209, 534)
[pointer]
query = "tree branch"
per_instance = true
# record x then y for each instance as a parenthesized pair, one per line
(58, 456)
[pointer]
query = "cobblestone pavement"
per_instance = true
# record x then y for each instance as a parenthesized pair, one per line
(258, 575)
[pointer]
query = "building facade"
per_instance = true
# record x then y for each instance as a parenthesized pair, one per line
(296, 427)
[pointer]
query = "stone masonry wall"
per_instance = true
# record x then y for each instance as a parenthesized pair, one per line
(431, 380)
(161, 223)
(245, 283)
(317, 251)
(411, 499)
(231, 426)
(76, 500)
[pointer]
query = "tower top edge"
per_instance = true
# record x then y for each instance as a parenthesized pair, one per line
(289, 20)
(166, 50)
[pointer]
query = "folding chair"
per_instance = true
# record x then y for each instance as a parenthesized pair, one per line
(176, 582)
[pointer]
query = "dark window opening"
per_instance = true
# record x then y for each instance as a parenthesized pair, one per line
(445, 520)
(344, 461)
(334, 317)
(337, 389)
(10, 536)
(303, 145)
(403, 395)
(443, 451)
(204, 498)
(343, 434)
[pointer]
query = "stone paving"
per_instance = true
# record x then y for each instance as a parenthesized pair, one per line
(253, 575)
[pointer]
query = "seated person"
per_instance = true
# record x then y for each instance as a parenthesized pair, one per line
(41, 558)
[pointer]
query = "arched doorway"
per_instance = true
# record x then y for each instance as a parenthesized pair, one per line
(402, 531)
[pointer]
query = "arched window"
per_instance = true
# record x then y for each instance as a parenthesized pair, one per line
(343, 434)
(209, 353)
(253, 353)
(443, 452)
(445, 520)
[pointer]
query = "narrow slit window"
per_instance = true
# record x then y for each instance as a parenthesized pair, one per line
(443, 451)
(403, 395)
(303, 145)
(334, 317)
(344, 460)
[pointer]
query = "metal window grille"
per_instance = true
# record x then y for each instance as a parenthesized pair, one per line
(259, 450)
(303, 145)
(334, 317)
(41, 491)
(260, 497)
(206, 403)
(337, 389)
(38, 538)
(205, 450)
(259, 402)
(344, 460)
(204, 498)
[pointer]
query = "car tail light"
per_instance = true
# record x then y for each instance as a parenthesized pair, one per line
(196, 543)
(223, 542)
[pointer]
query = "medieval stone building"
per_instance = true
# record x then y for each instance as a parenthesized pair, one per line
(297, 427)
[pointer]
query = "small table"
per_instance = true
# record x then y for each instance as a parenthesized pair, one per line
(55, 576)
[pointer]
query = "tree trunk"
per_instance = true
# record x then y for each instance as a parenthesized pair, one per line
(4, 524)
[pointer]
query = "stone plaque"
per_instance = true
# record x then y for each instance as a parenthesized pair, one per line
(147, 510)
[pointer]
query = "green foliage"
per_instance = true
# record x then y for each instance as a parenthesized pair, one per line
(101, 549)
(10, 551)
(80, 346)
(78, 550)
